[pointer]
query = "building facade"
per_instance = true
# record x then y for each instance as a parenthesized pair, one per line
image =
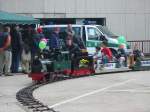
(130, 18)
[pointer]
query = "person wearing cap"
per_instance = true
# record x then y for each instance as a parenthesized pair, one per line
(37, 36)
(40, 33)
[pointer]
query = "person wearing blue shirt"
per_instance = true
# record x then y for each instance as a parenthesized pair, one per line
(54, 39)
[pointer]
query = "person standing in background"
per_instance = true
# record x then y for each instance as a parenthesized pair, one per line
(5, 52)
(70, 30)
(28, 38)
(54, 39)
(26, 56)
(16, 44)
(29, 48)
(69, 33)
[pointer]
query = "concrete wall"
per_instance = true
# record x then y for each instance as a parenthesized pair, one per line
(124, 17)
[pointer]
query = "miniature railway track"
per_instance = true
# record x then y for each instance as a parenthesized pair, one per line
(25, 97)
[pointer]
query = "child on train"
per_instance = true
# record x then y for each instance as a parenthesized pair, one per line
(97, 57)
(121, 56)
(106, 53)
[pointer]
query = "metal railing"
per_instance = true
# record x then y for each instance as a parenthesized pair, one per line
(143, 45)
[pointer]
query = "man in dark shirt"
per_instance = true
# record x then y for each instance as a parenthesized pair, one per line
(72, 47)
(16, 48)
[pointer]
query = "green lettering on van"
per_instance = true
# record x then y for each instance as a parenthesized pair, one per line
(93, 43)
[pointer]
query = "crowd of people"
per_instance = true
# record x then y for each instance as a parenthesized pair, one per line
(19, 46)
(104, 55)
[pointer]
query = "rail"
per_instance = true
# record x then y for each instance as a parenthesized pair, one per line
(25, 97)
(143, 45)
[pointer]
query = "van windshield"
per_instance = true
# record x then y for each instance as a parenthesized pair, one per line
(106, 31)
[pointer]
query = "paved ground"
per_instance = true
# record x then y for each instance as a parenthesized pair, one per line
(8, 87)
(121, 92)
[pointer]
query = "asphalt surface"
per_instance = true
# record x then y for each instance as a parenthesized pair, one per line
(9, 86)
(120, 92)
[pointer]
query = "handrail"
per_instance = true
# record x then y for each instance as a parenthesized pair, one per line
(138, 41)
(143, 45)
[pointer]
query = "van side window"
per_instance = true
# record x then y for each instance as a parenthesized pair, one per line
(93, 33)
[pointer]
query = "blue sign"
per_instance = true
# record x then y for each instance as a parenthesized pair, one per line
(145, 63)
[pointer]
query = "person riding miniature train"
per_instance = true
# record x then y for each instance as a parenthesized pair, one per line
(106, 53)
(73, 50)
(137, 53)
(121, 56)
(81, 63)
(97, 57)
